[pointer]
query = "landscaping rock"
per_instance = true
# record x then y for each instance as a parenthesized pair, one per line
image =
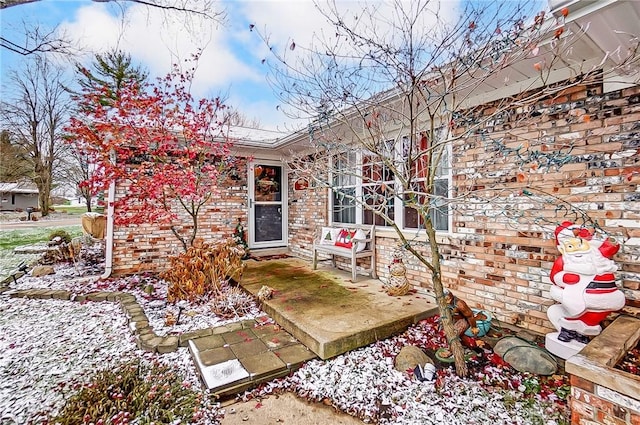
(39, 271)
(524, 356)
(169, 344)
(409, 357)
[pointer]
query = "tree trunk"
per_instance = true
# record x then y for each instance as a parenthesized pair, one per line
(455, 345)
(44, 200)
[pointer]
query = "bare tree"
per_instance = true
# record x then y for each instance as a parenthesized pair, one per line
(392, 95)
(202, 8)
(37, 40)
(35, 115)
(76, 171)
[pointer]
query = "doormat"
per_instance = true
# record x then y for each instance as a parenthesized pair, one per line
(269, 257)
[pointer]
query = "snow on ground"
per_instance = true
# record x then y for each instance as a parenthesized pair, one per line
(45, 344)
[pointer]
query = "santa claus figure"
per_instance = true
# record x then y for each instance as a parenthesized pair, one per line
(583, 283)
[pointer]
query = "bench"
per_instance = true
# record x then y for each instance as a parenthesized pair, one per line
(358, 241)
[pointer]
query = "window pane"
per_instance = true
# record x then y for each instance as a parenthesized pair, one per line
(412, 202)
(444, 167)
(268, 223)
(376, 179)
(439, 207)
(344, 167)
(411, 218)
(378, 199)
(344, 208)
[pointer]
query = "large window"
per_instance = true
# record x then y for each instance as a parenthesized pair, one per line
(364, 176)
(378, 187)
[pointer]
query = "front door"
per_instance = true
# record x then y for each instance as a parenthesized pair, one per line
(267, 205)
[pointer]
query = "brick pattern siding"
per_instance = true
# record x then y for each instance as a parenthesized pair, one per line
(496, 265)
(146, 248)
(594, 404)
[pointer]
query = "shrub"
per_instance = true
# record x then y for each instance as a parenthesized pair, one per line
(198, 273)
(59, 233)
(133, 391)
(231, 302)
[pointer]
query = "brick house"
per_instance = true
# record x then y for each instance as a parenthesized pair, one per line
(489, 263)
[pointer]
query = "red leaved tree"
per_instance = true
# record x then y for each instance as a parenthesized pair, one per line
(166, 151)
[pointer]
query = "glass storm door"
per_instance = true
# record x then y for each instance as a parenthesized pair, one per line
(267, 205)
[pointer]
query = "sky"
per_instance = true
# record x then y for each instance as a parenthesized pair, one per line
(231, 62)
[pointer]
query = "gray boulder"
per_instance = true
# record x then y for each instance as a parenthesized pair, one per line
(524, 356)
(409, 357)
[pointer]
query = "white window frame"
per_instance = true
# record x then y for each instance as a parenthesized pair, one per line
(357, 182)
(350, 181)
(446, 174)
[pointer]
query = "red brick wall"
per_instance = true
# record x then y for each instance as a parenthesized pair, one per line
(146, 248)
(591, 403)
(307, 211)
(490, 262)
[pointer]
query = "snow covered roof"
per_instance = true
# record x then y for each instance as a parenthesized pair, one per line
(18, 187)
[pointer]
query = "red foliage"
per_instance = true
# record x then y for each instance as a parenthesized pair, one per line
(169, 149)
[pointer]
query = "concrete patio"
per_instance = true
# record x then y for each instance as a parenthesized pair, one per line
(328, 312)
(318, 313)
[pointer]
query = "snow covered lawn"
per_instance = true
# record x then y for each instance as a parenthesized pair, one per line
(49, 347)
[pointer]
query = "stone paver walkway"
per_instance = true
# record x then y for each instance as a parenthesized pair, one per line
(238, 356)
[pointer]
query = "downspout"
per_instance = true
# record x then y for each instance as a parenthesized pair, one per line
(111, 197)
(108, 256)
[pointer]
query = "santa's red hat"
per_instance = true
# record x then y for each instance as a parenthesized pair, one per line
(568, 229)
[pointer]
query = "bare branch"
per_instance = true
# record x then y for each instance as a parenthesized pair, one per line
(34, 117)
(396, 96)
(39, 40)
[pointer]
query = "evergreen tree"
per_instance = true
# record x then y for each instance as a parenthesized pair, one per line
(109, 72)
(13, 160)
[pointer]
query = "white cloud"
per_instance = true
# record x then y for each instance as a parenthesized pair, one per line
(231, 55)
(157, 40)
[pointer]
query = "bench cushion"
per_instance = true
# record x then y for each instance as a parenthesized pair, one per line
(341, 237)
(360, 235)
(344, 238)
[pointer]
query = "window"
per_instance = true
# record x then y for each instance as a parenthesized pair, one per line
(378, 182)
(344, 182)
(364, 176)
(418, 198)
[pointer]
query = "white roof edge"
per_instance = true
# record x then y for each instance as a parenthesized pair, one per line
(578, 8)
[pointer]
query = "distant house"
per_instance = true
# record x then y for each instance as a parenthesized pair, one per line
(18, 196)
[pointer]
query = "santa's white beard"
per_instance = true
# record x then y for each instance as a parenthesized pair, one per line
(581, 263)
